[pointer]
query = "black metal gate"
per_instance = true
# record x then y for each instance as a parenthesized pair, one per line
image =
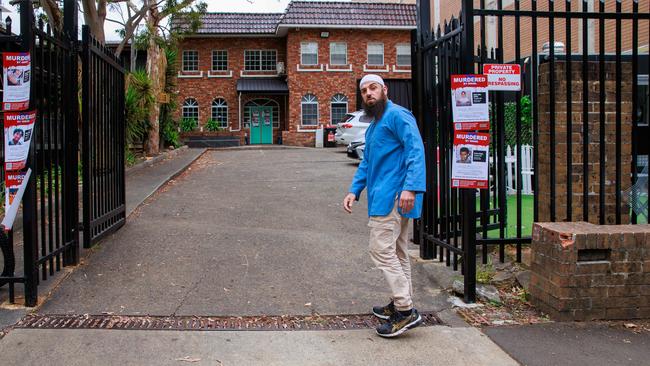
(49, 228)
(104, 209)
(452, 218)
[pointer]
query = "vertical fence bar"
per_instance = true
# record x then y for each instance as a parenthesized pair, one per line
(619, 74)
(601, 88)
(468, 195)
(535, 101)
(86, 133)
(635, 96)
(551, 60)
(30, 225)
(518, 130)
(569, 114)
(585, 113)
(501, 144)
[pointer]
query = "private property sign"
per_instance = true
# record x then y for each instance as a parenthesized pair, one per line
(504, 77)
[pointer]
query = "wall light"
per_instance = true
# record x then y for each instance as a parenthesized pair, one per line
(324, 34)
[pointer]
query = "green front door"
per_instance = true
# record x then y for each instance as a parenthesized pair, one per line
(261, 125)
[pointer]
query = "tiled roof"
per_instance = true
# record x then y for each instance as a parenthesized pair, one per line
(309, 13)
(350, 14)
(236, 23)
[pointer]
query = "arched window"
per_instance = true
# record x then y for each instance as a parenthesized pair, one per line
(339, 108)
(262, 103)
(220, 112)
(191, 109)
(309, 110)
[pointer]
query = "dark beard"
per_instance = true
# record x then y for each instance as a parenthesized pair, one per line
(376, 110)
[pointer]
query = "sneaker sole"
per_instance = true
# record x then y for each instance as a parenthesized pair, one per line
(408, 326)
(384, 317)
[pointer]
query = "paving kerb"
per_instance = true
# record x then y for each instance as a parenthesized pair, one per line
(436, 345)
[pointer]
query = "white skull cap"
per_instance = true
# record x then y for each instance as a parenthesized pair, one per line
(371, 78)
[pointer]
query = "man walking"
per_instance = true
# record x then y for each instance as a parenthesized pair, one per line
(393, 170)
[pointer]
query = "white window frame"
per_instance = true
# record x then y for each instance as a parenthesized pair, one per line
(219, 103)
(383, 58)
(345, 45)
(183, 66)
(338, 98)
(303, 45)
(311, 99)
(397, 54)
(195, 105)
(212, 61)
(260, 60)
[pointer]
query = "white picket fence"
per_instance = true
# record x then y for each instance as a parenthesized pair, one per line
(526, 169)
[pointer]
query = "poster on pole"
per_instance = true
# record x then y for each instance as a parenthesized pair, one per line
(470, 160)
(503, 77)
(18, 128)
(16, 72)
(469, 101)
(15, 185)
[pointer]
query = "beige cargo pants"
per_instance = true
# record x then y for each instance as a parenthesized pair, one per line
(389, 251)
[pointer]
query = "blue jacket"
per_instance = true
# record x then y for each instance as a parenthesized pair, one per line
(393, 161)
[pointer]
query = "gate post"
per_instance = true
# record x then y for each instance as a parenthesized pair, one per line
(30, 225)
(71, 183)
(468, 195)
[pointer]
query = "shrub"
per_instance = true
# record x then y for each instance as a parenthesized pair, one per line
(510, 115)
(189, 124)
(138, 101)
(212, 125)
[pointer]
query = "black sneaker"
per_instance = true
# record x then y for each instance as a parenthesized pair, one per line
(384, 312)
(399, 324)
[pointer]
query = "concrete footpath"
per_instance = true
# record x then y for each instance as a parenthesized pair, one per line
(424, 346)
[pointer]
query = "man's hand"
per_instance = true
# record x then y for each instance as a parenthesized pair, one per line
(348, 201)
(406, 201)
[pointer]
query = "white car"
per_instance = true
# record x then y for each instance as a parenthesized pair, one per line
(353, 126)
(355, 148)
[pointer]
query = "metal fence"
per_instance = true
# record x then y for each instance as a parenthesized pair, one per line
(49, 229)
(527, 32)
(104, 208)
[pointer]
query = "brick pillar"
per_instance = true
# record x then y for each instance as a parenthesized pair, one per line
(560, 147)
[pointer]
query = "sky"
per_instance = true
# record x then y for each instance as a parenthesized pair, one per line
(243, 6)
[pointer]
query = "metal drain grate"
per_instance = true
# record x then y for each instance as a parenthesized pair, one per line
(207, 323)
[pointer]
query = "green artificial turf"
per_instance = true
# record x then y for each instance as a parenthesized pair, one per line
(511, 217)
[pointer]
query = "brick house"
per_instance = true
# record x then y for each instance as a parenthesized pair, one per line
(270, 78)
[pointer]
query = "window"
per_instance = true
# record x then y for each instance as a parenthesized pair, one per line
(339, 108)
(403, 54)
(376, 54)
(309, 53)
(260, 60)
(191, 109)
(261, 103)
(338, 53)
(220, 112)
(190, 60)
(309, 107)
(219, 60)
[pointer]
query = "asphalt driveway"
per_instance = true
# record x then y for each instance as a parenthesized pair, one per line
(241, 232)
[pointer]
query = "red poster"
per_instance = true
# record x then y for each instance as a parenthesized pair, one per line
(470, 160)
(469, 102)
(18, 135)
(16, 67)
(506, 77)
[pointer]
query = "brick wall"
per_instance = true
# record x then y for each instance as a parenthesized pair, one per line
(577, 175)
(582, 271)
(205, 89)
(325, 84)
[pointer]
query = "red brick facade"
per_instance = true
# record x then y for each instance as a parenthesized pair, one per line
(323, 84)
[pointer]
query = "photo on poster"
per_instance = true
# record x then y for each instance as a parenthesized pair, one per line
(471, 160)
